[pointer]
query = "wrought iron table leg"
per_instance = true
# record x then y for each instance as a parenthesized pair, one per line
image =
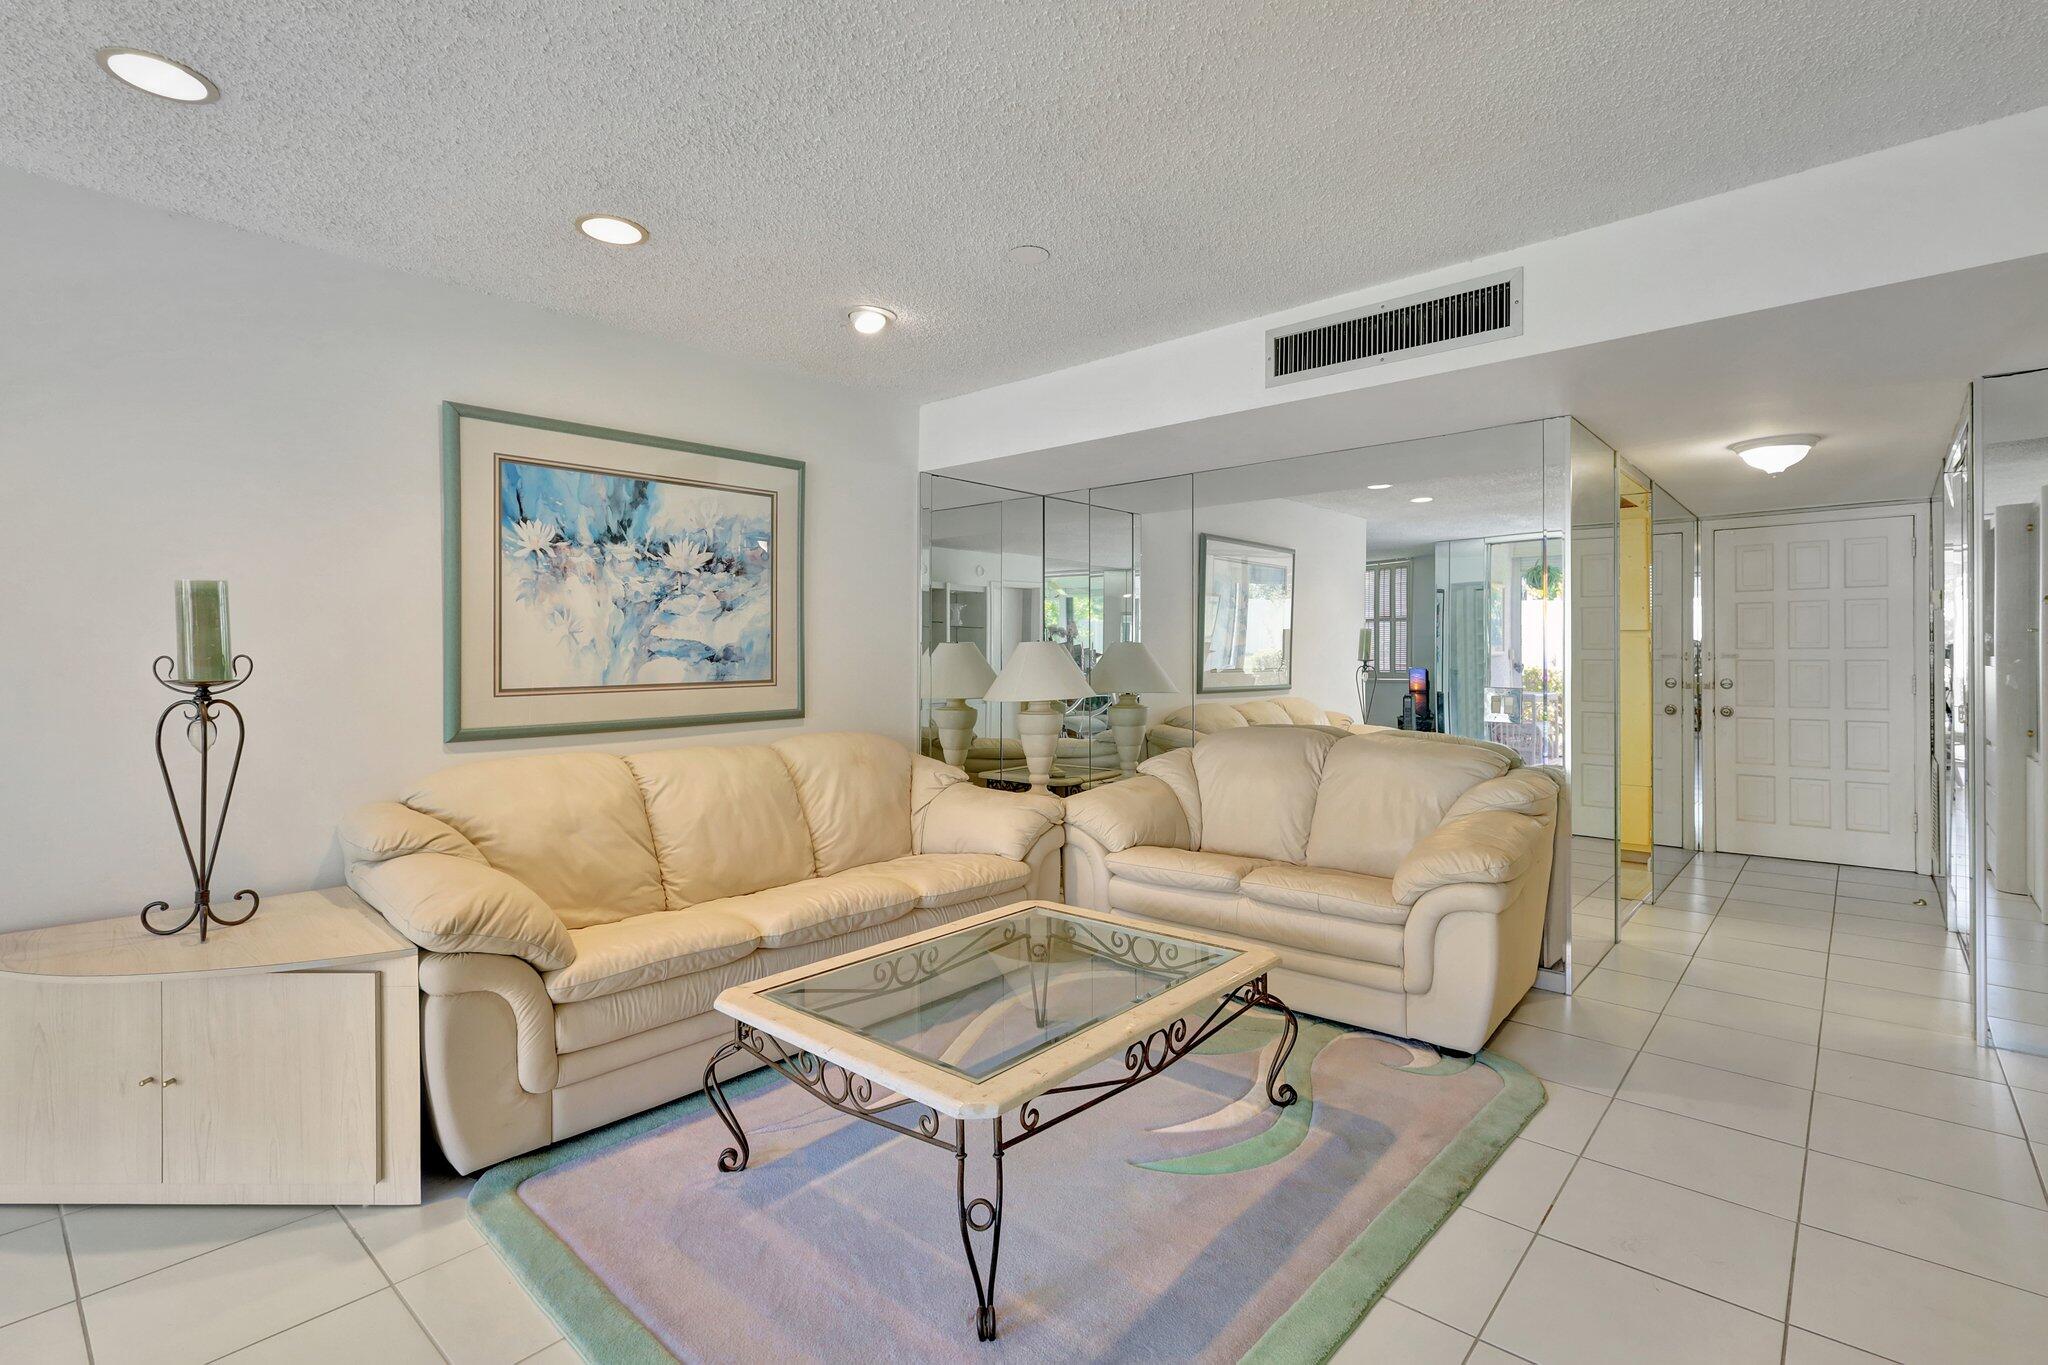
(1277, 1090)
(732, 1158)
(983, 1218)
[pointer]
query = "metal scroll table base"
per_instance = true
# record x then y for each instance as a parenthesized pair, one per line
(981, 1213)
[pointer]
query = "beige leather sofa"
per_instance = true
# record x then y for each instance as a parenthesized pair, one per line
(1178, 729)
(581, 911)
(1403, 881)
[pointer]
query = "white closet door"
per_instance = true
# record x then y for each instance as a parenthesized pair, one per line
(1816, 664)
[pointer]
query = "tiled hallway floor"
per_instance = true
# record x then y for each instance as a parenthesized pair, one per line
(1768, 1137)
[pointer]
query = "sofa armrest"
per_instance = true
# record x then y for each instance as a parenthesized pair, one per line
(444, 975)
(437, 890)
(1339, 719)
(963, 818)
(1137, 810)
(1483, 846)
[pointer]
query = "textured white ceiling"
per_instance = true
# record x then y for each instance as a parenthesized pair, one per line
(1188, 162)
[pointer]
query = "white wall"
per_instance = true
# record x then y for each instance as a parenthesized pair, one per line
(181, 399)
(1329, 593)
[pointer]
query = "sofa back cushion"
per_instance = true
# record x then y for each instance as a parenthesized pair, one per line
(572, 827)
(1258, 790)
(1300, 710)
(855, 793)
(726, 821)
(1383, 792)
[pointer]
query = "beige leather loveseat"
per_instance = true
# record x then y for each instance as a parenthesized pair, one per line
(581, 911)
(1178, 729)
(1403, 881)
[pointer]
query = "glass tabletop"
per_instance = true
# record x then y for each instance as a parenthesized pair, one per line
(984, 998)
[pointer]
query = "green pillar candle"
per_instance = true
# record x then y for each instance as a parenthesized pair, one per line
(203, 652)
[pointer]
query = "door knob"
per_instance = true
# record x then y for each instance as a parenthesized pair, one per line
(170, 1080)
(1727, 710)
(147, 1080)
(1670, 710)
(1727, 682)
(1671, 682)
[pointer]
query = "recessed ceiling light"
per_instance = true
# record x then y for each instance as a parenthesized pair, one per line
(1378, 487)
(868, 319)
(1425, 499)
(154, 75)
(611, 229)
(1029, 255)
(1774, 454)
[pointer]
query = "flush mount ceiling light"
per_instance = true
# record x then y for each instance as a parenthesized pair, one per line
(611, 229)
(868, 319)
(1029, 255)
(1422, 499)
(159, 76)
(1378, 487)
(1774, 454)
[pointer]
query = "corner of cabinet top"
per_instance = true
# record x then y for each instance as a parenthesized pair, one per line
(292, 931)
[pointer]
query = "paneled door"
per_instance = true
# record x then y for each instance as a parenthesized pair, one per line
(1671, 668)
(1813, 691)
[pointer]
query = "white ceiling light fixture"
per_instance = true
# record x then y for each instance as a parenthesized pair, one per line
(611, 229)
(1029, 255)
(1422, 499)
(1377, 487)
(869, 319)
(155, 75)
(1774, 454)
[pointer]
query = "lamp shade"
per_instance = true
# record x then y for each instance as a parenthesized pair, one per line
(1128, 666)
(959, 670)
(1040, 670)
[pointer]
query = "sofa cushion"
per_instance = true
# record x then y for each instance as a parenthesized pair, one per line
(648, 948)
(1383, 793)
(1209, 717)
(1439, 737)
(855, 791)
(1301, 711)
(819, 907)
(941, 879)
(1354, 895)
(1178, 867)
(607, 1018)
(1263, 712)
(572, 827)
(1232, 914)
(1259, 790)
(725, 820)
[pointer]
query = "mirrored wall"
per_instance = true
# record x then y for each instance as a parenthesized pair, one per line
(1517, 585)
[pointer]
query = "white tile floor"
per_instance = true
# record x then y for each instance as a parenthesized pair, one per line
(1769, 1137)
(304, 1286)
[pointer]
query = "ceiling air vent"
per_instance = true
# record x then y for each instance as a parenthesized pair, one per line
(1461, 315)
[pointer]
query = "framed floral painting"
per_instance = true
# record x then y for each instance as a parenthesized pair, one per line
(601, 580)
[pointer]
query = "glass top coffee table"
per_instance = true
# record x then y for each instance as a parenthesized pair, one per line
(993, 1015)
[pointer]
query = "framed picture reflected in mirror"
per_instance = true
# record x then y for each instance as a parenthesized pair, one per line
(1246, 591)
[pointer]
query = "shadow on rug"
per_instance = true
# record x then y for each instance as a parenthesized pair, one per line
(1187, 1219)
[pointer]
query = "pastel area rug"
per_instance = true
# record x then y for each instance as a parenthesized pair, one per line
(1184, 1220)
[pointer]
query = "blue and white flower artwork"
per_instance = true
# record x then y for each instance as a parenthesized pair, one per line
(615, 581)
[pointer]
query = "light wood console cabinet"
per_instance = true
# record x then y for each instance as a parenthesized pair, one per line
(278, 1063)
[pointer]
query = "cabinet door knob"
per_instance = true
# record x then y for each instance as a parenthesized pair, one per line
(1726, 711)
(170, 1080)
(1670, 710)
(147, 1080)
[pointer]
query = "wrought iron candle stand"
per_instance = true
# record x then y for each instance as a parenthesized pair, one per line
(201, 702)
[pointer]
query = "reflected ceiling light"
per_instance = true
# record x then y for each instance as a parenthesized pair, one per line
(1422, 499)
(868, 319)
(1377, 487)
(611, 229)
(1774, 454)
(159, 76)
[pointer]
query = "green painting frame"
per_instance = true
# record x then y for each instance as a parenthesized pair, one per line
(1202, 625)
(455, 728)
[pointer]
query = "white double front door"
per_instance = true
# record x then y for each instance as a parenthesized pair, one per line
(1813, 693)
